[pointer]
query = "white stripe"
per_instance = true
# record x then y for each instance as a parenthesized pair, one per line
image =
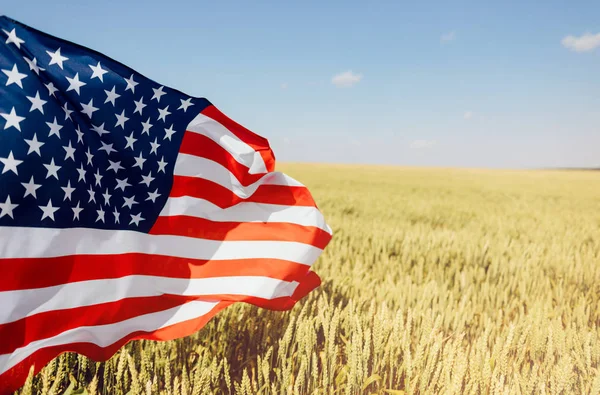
(240, 151)
(22, 242)
(244, 212)
(200, 167)
(15, 305)
(105, 335)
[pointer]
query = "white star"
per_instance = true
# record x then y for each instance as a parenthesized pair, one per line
(130, 141)
(139, 161)
(130, 84)
(70, 152)
(116, 214)
(7, 208)
(79, 135)
(162, 165)
(14, 77)
(153, 195)
(158, 93)
(147, 125)
(37, 103)
(100, 129)
(107, 147)
(81, 172)
(139, 105)
(90, 156)
(100, 215)
(111, 96)
(34, 145)
(56, 58)
(155, 146)
(135, 219)
(98, 177)
(10, 163)
(163, 113)
(12, 119)
(48, 210)
(67, 112)
(68, 191)
(88, 109)
(147, 179)
(116, 166)
(122, 184)
(129, 202)
(106, 197)
(51, 88)
(92, 195)
(54, 128)
(76, 211)
(98, 72)
(30, 188)
(52, 169)
(33, 65)
(185, 104)
(168, 133)
(121, 119)
(12, 38)
(75, 84)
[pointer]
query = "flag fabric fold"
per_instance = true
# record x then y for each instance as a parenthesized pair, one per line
(130, 210)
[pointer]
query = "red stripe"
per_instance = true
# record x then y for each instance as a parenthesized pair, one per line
(223, 197)
(201, 145)
(182, 225)
(28, 273)
(258, 143)
(14, 378)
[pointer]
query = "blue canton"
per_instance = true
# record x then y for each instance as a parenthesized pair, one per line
(84, 140)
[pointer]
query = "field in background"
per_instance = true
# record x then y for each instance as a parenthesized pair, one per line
(436, 281)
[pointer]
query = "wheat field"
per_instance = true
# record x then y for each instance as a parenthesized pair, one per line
(437, 281)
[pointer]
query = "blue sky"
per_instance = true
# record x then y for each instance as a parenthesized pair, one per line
(511, 84)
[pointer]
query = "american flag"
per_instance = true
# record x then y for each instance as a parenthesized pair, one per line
(130, 210)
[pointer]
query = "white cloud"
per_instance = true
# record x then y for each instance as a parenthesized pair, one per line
(468, 115)
(284, 85)
(347, 78)
(450, 36)
(419, 144)
(584, 43)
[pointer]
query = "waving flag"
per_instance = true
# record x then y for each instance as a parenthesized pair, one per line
(129, 210)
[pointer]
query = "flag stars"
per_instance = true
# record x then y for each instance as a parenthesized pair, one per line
(106, 197)
(135, 219)
(139, 105)
(52, 169)
(122, 184)
(185, 104)
(10, 163)
(154, 146)
(33, 66)
(147, 179)
(79, 135)
(81, 172)
(117, 215)
(56, 58)
(14, 77)
(100, 215)
(98, 72)
(36, 103)
(34, 145)
(139, 161)
(12, 119)
(67, 111)
(68, 190)
(100, 129)
(70, 152)
(162, 165)
(7, 208)
(88, 109)
(115, 166)
(111, 96)
(163, 113)
(129, 202)
(98, 177)
(48, 210)
(51, 89)
(121, 119)
(146, 127)
(75, 84)
(89, 156)
(92, 195)
(158, 93)
(153, 196)
(130, 141)
(30, 188)
(169, 133)
(13, 38)
(108, 148)
(55, 128)
(76, 211)
(131, 84)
